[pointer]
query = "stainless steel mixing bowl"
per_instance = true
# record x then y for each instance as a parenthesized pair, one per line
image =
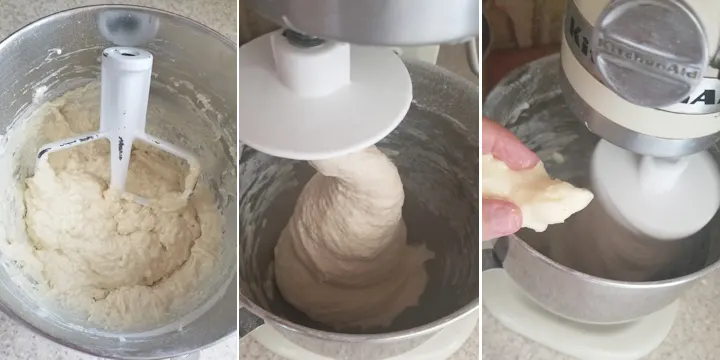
(436, 151)
(194, 73)
(586, 269)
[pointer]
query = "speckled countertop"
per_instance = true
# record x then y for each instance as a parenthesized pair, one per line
(16, 342)
(694, 336)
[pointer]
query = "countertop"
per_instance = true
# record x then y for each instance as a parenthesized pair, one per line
(16, 342)
(695, 334)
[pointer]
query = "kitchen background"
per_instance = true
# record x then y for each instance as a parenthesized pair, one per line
(522, 30)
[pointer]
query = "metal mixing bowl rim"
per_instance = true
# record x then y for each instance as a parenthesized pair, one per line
(430, 327)
(41, 21)
(617, 283)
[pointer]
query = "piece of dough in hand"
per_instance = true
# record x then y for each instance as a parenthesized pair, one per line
(542, 200)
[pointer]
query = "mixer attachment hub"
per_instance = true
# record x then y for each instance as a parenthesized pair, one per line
(302, 40)
(652, 53)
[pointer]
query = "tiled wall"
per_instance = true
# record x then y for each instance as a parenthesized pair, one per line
(524, 23)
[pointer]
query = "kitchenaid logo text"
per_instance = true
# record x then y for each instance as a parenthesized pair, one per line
(707, 97)
(578, 36)
(704, 100)
(644, 59)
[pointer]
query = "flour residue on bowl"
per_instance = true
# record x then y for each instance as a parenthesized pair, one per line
(529, 103)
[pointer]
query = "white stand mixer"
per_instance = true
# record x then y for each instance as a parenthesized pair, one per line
(330, 84)
(643, 76)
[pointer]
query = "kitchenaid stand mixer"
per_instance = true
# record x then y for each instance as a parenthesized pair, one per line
(329, 84)
(642, 75)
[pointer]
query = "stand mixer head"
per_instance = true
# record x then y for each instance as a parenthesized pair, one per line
(641, 74)
(306, 97)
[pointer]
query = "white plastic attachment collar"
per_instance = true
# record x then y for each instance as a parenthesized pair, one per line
(311, 72)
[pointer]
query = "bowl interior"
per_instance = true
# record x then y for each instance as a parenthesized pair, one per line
(192, 104)
(530, 103)
(435, 149)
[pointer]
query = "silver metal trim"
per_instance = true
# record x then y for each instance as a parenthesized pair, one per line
(626, 138)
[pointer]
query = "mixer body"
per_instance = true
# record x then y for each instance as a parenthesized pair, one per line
(321, 58)
(378, 22)
(642, 75)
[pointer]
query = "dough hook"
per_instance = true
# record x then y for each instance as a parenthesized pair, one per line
(125, 87)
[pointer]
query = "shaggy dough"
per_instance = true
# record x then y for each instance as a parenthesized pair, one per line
(542, 200)
(95, 252)
(343, 257)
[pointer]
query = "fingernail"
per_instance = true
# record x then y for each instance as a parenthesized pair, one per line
(506, 219)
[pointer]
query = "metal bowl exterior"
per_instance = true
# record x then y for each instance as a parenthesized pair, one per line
(531, 260)
(185, 50)
(580, 297)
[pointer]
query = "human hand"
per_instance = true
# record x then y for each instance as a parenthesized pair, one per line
(501, 218)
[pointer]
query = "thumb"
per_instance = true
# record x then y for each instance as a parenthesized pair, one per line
(500, 218)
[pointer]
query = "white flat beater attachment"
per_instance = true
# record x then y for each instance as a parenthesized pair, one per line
(125, 88)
